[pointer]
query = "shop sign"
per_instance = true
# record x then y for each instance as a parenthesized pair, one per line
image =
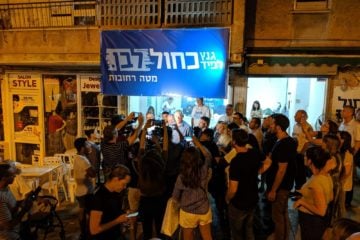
(89, 83)
(24, 81)
(186, 62)
(343, 97)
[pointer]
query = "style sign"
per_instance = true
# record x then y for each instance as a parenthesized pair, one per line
(24, 81)
(183, 62)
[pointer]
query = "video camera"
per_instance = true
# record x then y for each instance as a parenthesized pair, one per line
(158, 128)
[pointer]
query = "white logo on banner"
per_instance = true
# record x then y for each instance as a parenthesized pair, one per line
(126, 59)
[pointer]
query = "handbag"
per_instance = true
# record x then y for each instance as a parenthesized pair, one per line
(171, 218)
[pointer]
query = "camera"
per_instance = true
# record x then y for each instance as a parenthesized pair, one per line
(136, 116)
(158, 131)
(126, 130)
(157, 123)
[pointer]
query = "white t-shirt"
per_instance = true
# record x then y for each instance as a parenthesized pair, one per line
(352, 127)
(166, 106)
(84, 185)
(198, 112)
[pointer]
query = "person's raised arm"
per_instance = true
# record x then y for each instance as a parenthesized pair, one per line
(165, 146)
(202, 148)
(143, 135)
(123, 123)
(181, 136)
(132, 138)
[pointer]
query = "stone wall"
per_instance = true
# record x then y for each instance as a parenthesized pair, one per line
(80, 46)
(275, 24)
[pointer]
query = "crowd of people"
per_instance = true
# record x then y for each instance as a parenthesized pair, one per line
(143, 162)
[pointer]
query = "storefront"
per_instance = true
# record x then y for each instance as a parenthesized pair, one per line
(43, 113)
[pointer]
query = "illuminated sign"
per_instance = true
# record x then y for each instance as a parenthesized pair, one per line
(89, 83)
(24, 81)
(187, 62)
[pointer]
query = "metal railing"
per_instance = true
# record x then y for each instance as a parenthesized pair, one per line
(116, 13)
(130, 13)
(48, 14)
(198, 12)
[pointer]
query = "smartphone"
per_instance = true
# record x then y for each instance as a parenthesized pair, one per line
(188, 139)
(134, 214)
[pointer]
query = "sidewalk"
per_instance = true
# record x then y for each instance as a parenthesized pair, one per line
(68, 213)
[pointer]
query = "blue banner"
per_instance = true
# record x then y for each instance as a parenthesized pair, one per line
(185, 62)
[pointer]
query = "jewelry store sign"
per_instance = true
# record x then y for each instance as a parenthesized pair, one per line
(90, 83)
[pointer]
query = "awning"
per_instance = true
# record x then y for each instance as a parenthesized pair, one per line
(299, 64)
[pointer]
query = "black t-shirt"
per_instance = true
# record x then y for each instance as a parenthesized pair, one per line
(269, 141)
(253, 141)
(244, 169)
(217, 182)
(110, 204)
(284, 151)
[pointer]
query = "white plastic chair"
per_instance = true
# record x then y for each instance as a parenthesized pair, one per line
(68, 159)
(56, 179)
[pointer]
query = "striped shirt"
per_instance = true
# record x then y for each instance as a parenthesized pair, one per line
(7, 204)
(114, 153)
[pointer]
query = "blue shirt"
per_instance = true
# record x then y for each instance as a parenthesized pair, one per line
(185, 130)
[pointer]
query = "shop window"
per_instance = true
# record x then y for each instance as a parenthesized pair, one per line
(287, 95)
(60, 112)
(186, 104)
(311, 5)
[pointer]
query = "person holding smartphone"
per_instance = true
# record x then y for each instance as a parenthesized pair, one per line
(107, 215)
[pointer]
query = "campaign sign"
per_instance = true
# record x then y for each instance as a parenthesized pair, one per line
(183, 62)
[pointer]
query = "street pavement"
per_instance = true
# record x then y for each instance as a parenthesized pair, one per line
(68, 213)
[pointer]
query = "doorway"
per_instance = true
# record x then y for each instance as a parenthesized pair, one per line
(287, 95)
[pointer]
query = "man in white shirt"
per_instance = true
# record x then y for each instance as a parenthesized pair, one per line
(298, 133)
(228, 116)
(83, 174)
(350, 125)
(168, 105)
(200, 110)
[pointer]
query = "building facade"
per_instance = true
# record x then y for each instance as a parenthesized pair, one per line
(50, 53)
